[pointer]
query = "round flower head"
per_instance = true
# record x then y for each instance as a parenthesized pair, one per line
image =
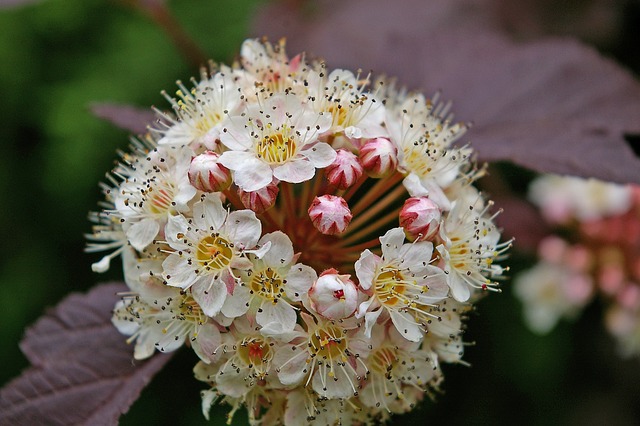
(258, 227)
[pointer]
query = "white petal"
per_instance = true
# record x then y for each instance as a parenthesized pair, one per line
(236, 304)
(206, 342)
(295, 171)
(142, 233)
(338, 386)
(370, 319)
(406, 326)
(320, 155)
(299, 280)
(178, 272)
(277, 312)
(366, 269)
(391, 243)
(235, 135)
(232, 380)
(459, 288)
(176, 227)
(251, 174)
(415, 256)
(243, 228)
(210, 295)
(234, 160)
(291, 364)
(281, 251)
(414, 186)
(209, 212)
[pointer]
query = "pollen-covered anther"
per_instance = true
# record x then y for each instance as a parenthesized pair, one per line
(261, 200)
(345, 170)
(330, 214)
(379, 157)
(334, 296)
(207, 174)
(420, 216)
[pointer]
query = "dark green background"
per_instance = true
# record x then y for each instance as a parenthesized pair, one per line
(58, 56)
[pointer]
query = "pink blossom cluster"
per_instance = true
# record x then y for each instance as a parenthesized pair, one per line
(597, 256)
(313, 236)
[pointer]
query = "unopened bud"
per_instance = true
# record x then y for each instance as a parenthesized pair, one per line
(379, 157)
(330, 214)
(261, 200)
(345, 170)
(334, 296)
(207, 174)
(420, 216)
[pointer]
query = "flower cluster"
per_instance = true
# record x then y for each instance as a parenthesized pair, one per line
(258, 225)
(596, 252)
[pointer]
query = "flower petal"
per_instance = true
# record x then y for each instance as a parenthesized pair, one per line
(406, 325)
(178, 272)
(142, 233)
(320, 155)
(299, 280)
(236, 304)
(281, 252)
(243, 228)
(210, 293)
(391, 243)
(295, 171)
(366, 268)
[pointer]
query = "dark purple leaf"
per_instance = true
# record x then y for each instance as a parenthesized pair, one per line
(553, 105)
(125, 117)
(83, 371)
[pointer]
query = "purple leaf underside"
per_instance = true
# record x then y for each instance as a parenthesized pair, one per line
(552, 105)
(126, 117)
(83, 371)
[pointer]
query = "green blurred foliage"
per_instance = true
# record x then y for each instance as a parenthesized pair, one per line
(59, 56)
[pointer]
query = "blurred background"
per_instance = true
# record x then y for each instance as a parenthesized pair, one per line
(57, 57)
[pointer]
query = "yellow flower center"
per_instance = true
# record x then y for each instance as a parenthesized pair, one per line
(276, 148)
(390, 286)
(328, 343)
(383, 360)
(159, 200)
(214, 252)
(267, 284)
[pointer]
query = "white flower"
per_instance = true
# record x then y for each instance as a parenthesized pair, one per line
(469, 249)
(424, 135)
(276, 138)
(395, 364)
(356, 113)
(269, 285)
(327, 355)
(156, 187)
(200, 111)
(401, 283)
(161, 317)
(206, 248)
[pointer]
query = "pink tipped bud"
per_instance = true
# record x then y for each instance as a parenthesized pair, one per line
(330, 214)
(420, 216)
(379, 157)
(334, 296)
(345, 170)
(261, 200)
(207, 174)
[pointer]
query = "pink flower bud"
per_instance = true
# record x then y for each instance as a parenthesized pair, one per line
(334, 296)
(261, 200)
(379, 157)
(345, 170)
(206, 174)
(330, 214)
(420, 216)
